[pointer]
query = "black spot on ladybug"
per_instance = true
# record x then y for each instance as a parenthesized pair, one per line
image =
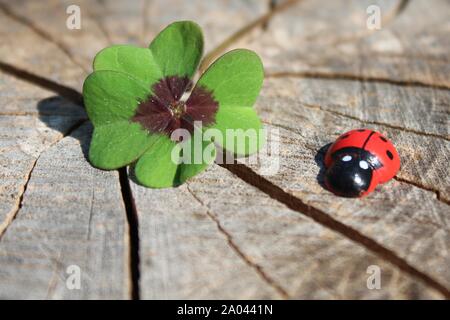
(383, 138)
(361, 130)
(345, 136)
(389, 154)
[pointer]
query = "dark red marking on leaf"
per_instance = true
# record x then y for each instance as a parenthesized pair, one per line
(164, 112)
(201, 106)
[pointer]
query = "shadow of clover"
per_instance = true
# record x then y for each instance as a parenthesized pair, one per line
(64, 116)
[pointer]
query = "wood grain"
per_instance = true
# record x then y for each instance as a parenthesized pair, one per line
(29, 125)
(230, 232)
(222, 17)
(415, 119)
(312, 41)
(218, 237)
(401, 215)
(29, 47)
(71, 214)
(105, 23)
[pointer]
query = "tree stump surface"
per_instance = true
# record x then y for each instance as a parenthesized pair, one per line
(230, 232)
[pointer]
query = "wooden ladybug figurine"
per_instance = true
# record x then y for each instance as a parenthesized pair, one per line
(358, 161)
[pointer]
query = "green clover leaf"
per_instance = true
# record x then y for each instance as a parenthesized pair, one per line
(135, 100)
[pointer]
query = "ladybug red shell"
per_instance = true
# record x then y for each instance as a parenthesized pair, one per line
(358, 161)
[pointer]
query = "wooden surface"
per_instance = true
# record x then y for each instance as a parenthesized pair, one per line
(230, 232)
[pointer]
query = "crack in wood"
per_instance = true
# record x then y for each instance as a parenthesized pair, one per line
(15, 210)
(252, 178)
(258, 269)
(355, 77)
(45, 83)
(400, 179)
(261, 21)
(386, 20)
(41, 33)
(401, 7)
(387, 125)
(77, 98)
(133, 230)
(91, 210)
(18, 205)
(241, 171)
(96, 19)
(421, 186)
(271, 4)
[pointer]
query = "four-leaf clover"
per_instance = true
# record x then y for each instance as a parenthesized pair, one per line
(135, 100)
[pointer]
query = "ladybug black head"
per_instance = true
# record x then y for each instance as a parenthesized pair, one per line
(351, 171)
